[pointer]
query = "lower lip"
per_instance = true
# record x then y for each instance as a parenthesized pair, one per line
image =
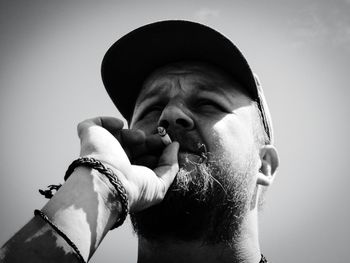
(188, 156)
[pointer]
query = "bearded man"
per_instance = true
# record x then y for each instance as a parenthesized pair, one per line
(195, 199)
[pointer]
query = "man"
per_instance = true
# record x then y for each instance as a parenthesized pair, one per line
(193, 200)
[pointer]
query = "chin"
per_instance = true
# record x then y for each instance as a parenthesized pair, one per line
(206, 201)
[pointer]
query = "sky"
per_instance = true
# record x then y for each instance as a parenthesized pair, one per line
(51, 52)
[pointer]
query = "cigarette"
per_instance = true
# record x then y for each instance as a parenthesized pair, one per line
(164, 136)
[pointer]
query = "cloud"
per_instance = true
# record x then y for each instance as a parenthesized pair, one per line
(204, 14)
(322, 24)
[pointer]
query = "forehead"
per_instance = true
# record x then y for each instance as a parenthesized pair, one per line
(204, 76)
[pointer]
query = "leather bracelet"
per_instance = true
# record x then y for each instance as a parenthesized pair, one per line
(113, 179)
(58, 231)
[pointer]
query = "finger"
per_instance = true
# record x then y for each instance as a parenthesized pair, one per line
(150, 161)
(168, 164)
(131, 140)
(132, 137)
(151, 145)
(113, 125)
(109, 123)
(154, 143)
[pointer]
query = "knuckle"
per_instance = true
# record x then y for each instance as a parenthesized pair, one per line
(83, 125)
(175, 168)
(80, 128)
(163, 189)
(119, 122)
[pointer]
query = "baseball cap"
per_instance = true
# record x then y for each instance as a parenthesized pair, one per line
(132, 58)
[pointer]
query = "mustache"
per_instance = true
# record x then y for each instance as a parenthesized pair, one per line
(200, 179)
(189, 142)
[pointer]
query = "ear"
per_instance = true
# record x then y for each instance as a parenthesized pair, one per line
(269, 163)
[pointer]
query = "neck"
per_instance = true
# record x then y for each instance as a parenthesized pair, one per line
(243, 249)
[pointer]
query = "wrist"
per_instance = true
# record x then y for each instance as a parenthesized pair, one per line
(97, 165)
(85, 209)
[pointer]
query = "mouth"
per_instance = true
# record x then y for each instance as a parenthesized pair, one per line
(191, 148)
(194, 155)
(194, 149)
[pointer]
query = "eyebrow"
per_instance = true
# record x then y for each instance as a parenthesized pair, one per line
(210, 87)
(154, 91)
(163, 87)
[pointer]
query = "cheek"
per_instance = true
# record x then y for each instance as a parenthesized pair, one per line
(233, 139)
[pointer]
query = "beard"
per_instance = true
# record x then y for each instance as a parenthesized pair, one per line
(207, 201)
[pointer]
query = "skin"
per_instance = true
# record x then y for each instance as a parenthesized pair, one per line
(87, 205)
(199, 103)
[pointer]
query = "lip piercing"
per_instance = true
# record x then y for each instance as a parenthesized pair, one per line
(203, 150)
(164, 136)
(202, 147)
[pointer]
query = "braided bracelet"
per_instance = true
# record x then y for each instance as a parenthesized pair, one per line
(58, 231)
(114, 180)
(263, 259)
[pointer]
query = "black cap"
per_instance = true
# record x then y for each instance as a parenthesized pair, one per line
(131, 59)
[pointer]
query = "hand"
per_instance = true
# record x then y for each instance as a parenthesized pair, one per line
(102, 138)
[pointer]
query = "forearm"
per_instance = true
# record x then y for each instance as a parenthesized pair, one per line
(84, 208)
(88, 204)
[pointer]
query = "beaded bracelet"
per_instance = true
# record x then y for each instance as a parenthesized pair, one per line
(114, 180)
(58, 231)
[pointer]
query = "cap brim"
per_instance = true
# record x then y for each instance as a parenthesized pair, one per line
(133, 57)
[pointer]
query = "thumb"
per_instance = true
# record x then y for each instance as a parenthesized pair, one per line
(168, 164)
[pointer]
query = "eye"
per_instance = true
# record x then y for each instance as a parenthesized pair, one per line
(150, 110)
(209, 104)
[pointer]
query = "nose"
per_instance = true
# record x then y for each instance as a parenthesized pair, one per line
(175, 117)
